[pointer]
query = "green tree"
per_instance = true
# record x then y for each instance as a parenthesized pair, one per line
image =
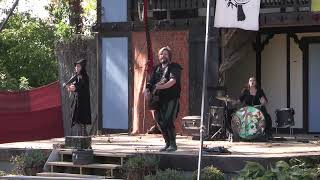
(27, 50)
(59, 15)
(27, 44)
(78, 15)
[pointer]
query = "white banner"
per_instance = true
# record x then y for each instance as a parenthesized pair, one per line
(242, 14)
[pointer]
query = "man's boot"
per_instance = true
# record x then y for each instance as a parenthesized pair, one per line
(172, 138)
(167, 141)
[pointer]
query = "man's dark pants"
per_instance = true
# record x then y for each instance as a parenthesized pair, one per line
(165, 116)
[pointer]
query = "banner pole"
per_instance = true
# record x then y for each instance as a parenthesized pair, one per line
(204, 87)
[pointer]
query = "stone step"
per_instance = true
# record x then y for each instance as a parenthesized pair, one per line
(110, 167)
(9, 177)
(98, 153)
(53, 174)
(95, 166)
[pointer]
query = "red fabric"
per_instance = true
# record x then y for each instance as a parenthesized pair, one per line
(31, 115)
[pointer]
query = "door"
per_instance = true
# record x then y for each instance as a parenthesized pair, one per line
(314, 88)
(115, 83)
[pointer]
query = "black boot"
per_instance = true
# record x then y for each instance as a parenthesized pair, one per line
(172, 138)
(166, 139)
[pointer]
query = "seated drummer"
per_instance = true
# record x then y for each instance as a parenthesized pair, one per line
(253, 95)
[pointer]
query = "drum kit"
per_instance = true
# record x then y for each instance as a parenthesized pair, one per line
(238, 123)
(285, 118)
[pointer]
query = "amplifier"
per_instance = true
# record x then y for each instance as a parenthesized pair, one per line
(191, 122)
(191, 125)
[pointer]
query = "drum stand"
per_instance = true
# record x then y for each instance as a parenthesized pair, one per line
(223, 125)
(290, 130)
(219, 131)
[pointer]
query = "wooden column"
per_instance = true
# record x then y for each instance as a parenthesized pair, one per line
(288, 71)
(258, 58)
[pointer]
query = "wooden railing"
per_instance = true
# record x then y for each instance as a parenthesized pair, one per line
(177, 4)
(285, 3)
(155, 5)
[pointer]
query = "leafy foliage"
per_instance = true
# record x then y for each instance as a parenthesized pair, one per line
(89, 15)
(27, 50)
(30, 158)
(139, 166)
(27, 44)
(59, 13)
(209, 173)
(296, 169)
(24, 84)
(7, 82)
(168, 174)
(142, 162)
(2, 173)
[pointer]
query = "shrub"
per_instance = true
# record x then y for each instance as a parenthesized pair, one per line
(294, 170)
(168, 174)
(139, 166)
(209, 173)
(32, 159)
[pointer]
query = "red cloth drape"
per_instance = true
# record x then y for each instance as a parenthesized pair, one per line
(31, 115)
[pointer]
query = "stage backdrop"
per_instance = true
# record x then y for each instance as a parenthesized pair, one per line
(178, 42)
(31, 115)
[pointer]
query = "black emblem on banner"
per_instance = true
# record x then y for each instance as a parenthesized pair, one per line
(238, 4)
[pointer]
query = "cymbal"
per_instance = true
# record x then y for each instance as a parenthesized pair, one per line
(228, 99)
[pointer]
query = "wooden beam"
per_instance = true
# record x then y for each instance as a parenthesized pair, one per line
(228, 35)
(288, 71)
(177, 24)
(258, 58)
(99, 14)
(289, 19)
(296, 40)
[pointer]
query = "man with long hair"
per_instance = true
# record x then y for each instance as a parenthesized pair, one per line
(165, 84)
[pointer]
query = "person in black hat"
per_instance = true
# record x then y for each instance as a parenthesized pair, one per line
(81, 102)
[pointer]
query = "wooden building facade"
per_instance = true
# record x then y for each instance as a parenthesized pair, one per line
(282, 55)
(284, 60)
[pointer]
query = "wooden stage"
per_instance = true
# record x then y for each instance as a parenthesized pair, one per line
(264, 152)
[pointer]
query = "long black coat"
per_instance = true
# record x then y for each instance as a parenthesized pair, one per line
(81, 101)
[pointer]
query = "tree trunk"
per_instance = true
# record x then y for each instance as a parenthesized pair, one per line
(75, 16)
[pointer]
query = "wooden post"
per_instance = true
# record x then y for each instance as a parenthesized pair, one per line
(288, 71)
(258, 58)
(222, 51)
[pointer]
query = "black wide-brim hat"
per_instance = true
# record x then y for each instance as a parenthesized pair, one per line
(82, 62)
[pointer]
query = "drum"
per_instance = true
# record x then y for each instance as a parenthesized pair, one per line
(248, 123)
(285, 117)
(216, 115)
